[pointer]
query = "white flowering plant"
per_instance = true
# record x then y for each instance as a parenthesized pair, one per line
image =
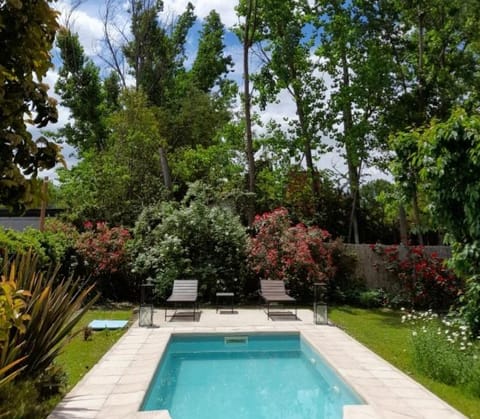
(444, 348)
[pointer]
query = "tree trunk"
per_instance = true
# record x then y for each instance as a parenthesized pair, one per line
(354, 182)
(416, 214)
(167, 176)
(247, 43)
(307, 148)
(421, 73)
(353, 167)
(402, 219)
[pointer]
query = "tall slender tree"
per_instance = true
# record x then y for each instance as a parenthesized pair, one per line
(211, 65)
(80, 88)
(288, 63)
(357, 58)
(248, 32)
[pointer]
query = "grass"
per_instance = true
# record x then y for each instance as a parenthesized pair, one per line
(382, 331)
(80, 355)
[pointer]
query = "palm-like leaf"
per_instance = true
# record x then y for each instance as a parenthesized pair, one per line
(54, 309)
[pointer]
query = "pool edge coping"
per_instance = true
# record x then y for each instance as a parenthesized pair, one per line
(124, 373)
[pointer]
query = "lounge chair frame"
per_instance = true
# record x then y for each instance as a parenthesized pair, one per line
(273, 291)
(184, 291)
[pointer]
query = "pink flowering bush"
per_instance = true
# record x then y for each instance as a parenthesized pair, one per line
(296, 254)
(103, 250)
(102, 247)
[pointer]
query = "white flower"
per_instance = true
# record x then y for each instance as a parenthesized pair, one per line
(414, 333)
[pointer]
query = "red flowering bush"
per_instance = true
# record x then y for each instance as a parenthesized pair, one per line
(425, 280)
(296, 254)
(103, 248)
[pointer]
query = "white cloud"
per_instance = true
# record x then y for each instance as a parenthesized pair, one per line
(84, 21)
(225, 8)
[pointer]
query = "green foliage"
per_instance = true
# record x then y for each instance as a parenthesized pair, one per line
(12, 319)
(210, 64)
(22, 399)
(52, 246)
(115, 184)
(80, 88)
(27, 31)
(15, 242)
(58, 239)
(378, 212)
(191, 240)
(54, 309)
(445, 351)
(129, 172)
(448, 157)
(371, 298)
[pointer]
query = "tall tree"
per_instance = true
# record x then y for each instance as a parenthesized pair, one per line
(80, 88)
(248, 32)
(286, 52)
(156, 58)
(211, 66)
(27, 31)
(437, 68)
(355, 55)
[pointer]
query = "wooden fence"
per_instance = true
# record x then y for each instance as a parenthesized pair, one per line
(369, 266)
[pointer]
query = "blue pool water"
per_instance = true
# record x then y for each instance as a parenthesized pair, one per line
(246, 377)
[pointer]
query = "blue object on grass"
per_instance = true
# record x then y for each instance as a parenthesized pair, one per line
(107, 324)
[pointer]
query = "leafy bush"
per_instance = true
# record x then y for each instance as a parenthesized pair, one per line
(345, 287)
(21, 399)
(298, 255)
(191, 240)
(445, 350)
(54, 245)
(103, 251)
(425, 280)
(16, 242)
(372, 298)
(58, 240)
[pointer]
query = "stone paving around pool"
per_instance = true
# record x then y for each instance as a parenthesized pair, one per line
(114, 388)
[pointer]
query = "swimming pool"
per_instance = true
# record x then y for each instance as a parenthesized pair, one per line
(246, 377)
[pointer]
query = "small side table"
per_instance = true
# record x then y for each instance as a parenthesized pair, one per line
(223, 295)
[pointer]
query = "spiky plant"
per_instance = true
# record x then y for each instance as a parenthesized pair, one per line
(55, 307)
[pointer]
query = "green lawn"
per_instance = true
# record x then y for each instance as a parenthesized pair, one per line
(81, 355)
(382, 331)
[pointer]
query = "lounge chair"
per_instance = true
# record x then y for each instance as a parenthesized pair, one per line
(184, 291)
(273, 291)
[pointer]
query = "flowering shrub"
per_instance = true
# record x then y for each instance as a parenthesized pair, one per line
(191, 240)
(445, 349)
(103, 248)
(295, 254)
(425, 280)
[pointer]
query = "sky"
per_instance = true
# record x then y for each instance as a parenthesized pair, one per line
(86, 20)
